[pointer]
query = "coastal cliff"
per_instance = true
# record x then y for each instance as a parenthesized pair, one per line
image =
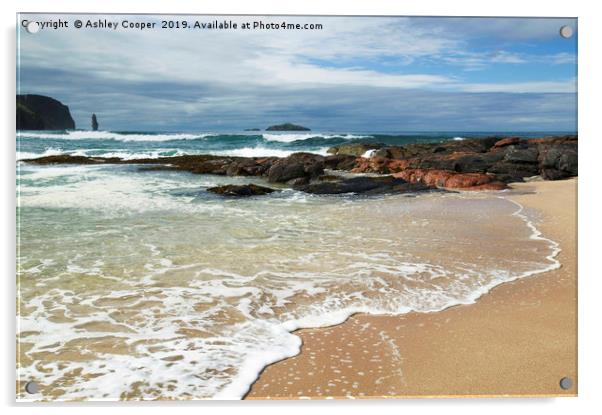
(39, 112)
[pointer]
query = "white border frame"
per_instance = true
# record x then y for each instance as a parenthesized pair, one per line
(590, 280)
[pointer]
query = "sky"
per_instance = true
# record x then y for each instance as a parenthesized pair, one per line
(355, 74)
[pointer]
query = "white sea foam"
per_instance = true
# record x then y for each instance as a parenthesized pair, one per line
(368, 272)
(253, 152)
(127, 155)
(108, 135)
(131, 155)
(459, 138)
(97, 188)
(50, 151)
(290, 137)
(369, 153)
(264, 152)
(122, 154)
(255, 364)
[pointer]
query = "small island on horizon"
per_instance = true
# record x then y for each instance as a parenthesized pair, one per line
(287, 127)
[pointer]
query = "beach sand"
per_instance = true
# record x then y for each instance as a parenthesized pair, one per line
(519, 339)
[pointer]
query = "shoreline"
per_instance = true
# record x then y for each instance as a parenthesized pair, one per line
(507, 296)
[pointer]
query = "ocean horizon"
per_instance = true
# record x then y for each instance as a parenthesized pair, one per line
(138, 144)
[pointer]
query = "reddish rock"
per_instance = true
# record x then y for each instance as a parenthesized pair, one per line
(378, 165)
(451, 180)
(506, 142)
(463, 180)
(436, 178)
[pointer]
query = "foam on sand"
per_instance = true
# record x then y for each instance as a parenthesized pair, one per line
(168, 312)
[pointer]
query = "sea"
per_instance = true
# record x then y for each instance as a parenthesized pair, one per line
(141, 285)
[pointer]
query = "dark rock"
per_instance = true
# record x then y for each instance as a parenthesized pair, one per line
(558, 161)
(252, 129)
(514, 172)
(362, 185)
(567, 162)
(339, 162)
(476, 163)
(244, 190)
(511, 160)
(518, 155)
(94, 123)
(198, 164)
(287, 127)
(299, 181)
(38, 112)
(416, 150)
(68, 159)
(421, 150)
(297, 165)
(219, 165)
(246, 167)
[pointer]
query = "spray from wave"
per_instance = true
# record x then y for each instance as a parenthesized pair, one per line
(289, 138)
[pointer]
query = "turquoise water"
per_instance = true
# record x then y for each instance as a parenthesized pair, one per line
(158, 144)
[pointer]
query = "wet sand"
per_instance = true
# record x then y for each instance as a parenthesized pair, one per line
(520, 339)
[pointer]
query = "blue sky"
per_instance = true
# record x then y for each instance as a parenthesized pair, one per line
(356, 74)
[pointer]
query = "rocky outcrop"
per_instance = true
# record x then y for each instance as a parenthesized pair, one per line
(416, 149)
(287, 127)
(38, 112)
(487, 164)
(298, 168)
(557, 157)
(452, 180)
(340, 162)
(244, 190)
(362, 185)
(500, 160)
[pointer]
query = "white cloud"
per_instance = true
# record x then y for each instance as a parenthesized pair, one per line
(569, 86)
(289, 59)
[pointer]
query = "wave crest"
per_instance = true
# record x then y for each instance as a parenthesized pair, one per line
(289, 138)
(109, 135)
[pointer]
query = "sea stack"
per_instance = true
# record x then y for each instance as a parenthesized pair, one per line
(94, 123)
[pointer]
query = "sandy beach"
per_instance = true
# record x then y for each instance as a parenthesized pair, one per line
(519, 339)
